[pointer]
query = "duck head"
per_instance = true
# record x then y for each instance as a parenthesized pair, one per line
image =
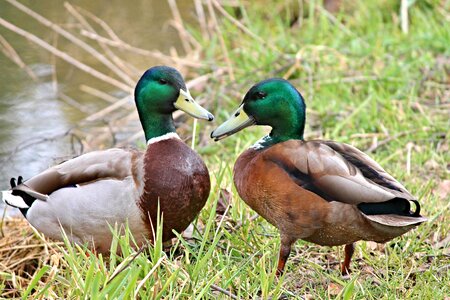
(161, 91)
(273, 102)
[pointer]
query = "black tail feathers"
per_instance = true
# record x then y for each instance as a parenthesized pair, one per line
(396, 206)
(26, 198)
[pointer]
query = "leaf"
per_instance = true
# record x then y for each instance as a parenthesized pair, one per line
(188, 232)
(334, 288)
(348, 291)
(223, 201)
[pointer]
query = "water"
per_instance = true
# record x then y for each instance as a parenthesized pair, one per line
(31, 110)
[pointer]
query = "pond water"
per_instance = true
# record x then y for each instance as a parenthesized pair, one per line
(31, 109)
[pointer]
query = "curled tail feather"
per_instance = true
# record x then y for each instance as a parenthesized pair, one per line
(21, 196)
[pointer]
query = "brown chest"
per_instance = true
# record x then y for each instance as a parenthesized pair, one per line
(176, 178)
(256, 185)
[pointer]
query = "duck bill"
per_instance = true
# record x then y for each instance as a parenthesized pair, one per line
(186, 103)
(237, 122)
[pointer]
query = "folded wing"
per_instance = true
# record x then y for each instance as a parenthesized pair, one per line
(337, 172)
(113, 164)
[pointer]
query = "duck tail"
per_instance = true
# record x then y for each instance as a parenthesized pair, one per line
(395, 212)
(20, 196)
(396, 206)
(12, 200)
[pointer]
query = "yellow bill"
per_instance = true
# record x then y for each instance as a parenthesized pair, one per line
(186, 103)
(238, 121)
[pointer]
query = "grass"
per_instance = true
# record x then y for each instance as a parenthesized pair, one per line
(366, 83)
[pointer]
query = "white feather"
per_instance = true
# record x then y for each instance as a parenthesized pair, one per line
(12, 200)
(259, 144)
(170, 135)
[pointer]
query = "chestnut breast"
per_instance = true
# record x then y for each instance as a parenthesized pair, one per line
(175, 175)
(257, 184)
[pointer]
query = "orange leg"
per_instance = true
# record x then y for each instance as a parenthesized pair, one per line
(285, 250)
(93, 251)
(345, 267)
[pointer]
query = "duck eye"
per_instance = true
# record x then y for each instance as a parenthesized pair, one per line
(260, 95)
(163, 81)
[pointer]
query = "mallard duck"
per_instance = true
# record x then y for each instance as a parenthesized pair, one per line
(323, 192)
(87, 195)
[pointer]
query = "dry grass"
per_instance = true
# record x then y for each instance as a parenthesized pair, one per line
(23, 252)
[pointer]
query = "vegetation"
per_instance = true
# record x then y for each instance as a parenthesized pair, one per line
(371, 77)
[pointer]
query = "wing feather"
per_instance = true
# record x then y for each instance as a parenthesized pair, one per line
(341, 172)
(113, 163)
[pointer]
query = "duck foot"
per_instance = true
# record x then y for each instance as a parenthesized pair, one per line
(345, 267)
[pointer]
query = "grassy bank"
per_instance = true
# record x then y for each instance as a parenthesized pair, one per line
(371, 78)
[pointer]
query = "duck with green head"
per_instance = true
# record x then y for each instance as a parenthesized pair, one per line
(86, 195)
(323, 192)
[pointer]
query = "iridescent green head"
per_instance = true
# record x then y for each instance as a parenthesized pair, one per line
(273, 102)
(161, 91)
